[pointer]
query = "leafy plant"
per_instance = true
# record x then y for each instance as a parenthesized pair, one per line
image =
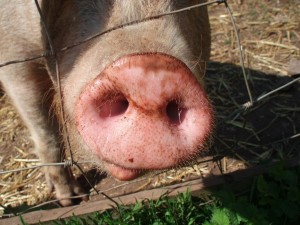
(273, 198)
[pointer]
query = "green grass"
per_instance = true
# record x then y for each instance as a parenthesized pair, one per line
(271, 198)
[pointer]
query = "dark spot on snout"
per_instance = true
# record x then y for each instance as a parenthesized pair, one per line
(175, 112)
(131, 160)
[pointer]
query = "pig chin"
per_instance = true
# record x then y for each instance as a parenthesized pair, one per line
(144, 112)
(122, 173)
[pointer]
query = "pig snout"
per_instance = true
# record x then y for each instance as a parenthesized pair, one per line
(144, 112)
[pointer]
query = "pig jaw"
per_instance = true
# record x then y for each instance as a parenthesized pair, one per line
(144, 112)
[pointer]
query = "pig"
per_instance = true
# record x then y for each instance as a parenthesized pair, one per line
(133, 98)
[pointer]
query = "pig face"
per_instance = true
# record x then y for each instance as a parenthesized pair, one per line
(133, 97)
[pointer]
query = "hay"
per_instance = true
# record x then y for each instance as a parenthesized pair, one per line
(269, 31)
(22, 187)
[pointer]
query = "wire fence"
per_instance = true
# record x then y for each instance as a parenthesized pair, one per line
(241, 108)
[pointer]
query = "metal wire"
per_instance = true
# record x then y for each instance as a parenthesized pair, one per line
(66, 163)
(247, 104)
(240, 53)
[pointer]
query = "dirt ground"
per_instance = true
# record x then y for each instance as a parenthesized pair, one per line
(267, 131)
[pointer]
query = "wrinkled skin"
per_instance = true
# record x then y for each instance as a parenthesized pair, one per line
(133, 98)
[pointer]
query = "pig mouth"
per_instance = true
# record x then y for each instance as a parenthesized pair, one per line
(122, 173)
(144, 112)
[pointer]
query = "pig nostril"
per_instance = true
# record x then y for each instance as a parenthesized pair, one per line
(175, 112)
(113, 108)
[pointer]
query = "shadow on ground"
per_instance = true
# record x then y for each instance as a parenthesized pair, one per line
(266, 131)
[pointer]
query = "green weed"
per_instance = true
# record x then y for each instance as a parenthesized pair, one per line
(273, 198)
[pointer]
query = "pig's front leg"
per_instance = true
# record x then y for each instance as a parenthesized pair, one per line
(29, 88)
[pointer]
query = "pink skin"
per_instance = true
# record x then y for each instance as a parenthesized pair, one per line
(144, 112)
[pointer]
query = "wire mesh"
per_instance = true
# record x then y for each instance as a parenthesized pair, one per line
(240, 107)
